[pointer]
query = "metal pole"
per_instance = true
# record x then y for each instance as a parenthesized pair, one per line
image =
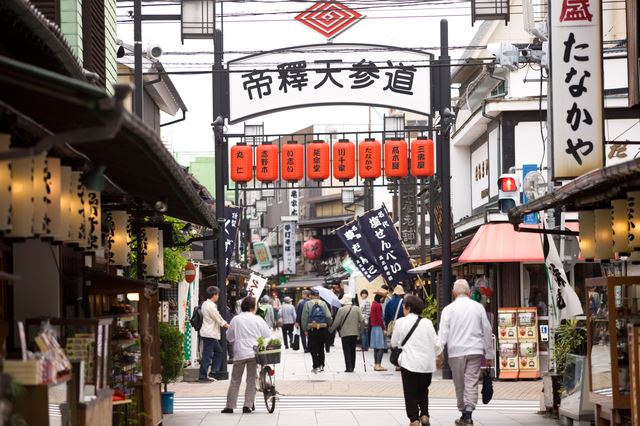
(445, 120)
(137, 58)
(221, 170)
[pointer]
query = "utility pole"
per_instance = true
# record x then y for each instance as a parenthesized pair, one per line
(137, 58)
(444, 67)
(221, 170)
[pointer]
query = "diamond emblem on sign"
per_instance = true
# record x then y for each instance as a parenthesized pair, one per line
(329, 18)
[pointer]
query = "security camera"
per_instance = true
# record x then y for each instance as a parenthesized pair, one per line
(447, 113)
(154, 51)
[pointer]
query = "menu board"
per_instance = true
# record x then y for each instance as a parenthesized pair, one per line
(519, 347)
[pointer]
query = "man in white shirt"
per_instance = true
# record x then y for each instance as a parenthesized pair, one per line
(210, 335)
(467, 334)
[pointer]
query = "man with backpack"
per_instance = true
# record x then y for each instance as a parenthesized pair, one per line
(299, 309)
(316, 319)
(212, 321)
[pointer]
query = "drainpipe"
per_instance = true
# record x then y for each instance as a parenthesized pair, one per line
(184, 117)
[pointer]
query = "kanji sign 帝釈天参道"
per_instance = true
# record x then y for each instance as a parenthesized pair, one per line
(329, 74)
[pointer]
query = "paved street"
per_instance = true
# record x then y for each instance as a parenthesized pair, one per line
(350, 411)
(360, 398)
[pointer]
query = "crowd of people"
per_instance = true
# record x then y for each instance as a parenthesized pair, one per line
(392, 319)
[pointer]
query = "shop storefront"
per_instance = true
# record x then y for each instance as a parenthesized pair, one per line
(605, 200)
(82, 182)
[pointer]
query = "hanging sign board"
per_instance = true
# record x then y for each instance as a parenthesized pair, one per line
(289, 247)
(577, 88)
(255, 285)
(335, 74)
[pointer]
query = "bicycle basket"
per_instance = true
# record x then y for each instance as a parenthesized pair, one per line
(269, 357)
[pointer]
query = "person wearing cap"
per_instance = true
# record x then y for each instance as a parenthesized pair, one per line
(299, 308)
(316, 320)
(349, 322)
(394, 310)
(376, 322)
(288, 315)
(266, 312)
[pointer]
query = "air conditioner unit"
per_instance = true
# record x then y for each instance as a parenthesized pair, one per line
(534, 16)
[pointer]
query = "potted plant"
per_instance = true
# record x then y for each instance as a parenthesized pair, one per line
(569, 339)
(171, 359)
(430, 310)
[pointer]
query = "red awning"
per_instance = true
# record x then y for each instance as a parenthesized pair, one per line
(499, 242)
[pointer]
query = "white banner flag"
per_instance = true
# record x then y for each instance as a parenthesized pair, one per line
(255, 285)
(565, 299)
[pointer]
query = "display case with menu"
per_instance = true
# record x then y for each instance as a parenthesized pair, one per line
(508, 342)
(528, 358)
(612, 304)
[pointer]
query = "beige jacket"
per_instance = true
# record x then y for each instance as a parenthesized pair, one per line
(212, 320)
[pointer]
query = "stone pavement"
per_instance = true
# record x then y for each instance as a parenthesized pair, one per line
(443, 412)
(294, 377)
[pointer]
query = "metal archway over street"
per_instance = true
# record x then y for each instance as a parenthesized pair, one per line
(329, 74)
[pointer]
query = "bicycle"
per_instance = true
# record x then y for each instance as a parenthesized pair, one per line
(266, 381)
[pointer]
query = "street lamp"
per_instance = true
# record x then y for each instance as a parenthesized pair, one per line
(348, 196)
(198, 19)
(261, 206)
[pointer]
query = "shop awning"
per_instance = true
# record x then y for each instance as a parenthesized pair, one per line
(303, 283)
(500, 242)
(325, 222)
(436, 264)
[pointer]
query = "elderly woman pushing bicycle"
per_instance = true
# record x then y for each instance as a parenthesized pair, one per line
(244, 330)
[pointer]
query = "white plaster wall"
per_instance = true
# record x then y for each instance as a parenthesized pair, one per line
(494, 161)
(460, 182)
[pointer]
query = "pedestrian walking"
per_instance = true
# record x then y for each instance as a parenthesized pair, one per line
(265, 310)
(378, 342)
(393, 310)
(288, 313)
(365, 308)
(212, 321)
(466, 332)
(420, 346)
(349, 323)
(299, 308)
(244, 331)
(316, 320)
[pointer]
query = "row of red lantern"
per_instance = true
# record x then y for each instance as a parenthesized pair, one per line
(291, 165)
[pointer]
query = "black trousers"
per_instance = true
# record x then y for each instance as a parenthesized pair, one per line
(349, 349)
(317, 339)
(287, 334)
(304, 341)
(415, 387)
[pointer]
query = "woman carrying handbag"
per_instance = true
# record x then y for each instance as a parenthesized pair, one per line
(415, 347)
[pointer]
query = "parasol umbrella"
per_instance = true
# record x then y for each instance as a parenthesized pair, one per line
(328, 296)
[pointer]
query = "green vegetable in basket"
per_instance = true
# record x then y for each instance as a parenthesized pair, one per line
(260, 344)
(274, 344)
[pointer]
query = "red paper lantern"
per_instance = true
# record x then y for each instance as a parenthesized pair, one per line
(344, 160)
(318, 160)
(241, 163)
(292, 162)
(189, 272)
(369, 159)
(267, 163)
(312, 249)
(396, 159)
(422, 159)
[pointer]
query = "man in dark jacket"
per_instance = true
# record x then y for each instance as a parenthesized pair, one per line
(299, 308)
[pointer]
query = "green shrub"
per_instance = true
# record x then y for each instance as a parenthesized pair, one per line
(171, 353)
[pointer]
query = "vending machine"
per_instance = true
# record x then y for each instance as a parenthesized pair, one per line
(528, 359)
(508, 343)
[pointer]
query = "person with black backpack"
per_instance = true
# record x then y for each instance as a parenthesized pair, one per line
(316, 320)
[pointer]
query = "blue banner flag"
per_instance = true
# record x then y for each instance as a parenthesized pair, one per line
(231, 221)
(385, 245)
(358, 248)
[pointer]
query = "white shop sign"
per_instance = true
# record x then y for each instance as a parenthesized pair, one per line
(577, 91)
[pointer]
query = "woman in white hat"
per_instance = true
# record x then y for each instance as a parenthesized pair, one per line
(349, 322)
